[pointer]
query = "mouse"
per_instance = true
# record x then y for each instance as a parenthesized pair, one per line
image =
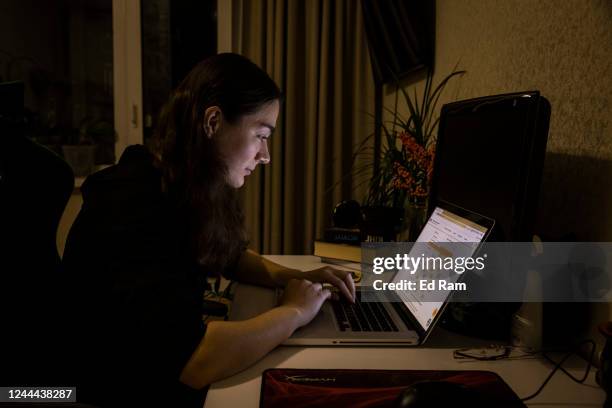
(436, 394)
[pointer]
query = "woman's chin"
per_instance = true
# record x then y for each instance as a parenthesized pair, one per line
(236, 182)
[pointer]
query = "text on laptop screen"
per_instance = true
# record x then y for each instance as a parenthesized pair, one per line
(442, 226)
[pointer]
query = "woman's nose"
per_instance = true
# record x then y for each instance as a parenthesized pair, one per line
(263, 156)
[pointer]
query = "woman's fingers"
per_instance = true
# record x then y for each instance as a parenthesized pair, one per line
(342, 286)
(340, 279)
(350, 283)
(326, 293)
(306, 297)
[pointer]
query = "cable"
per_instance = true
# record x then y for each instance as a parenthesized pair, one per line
(494, 352)
(559, 366)
(588, 368)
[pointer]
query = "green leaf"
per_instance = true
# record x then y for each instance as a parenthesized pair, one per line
(414, 117)
(433, 127)
(438, 91)
(426, 92)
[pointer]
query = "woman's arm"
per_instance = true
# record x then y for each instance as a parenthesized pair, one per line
(255, 269)
(229, 347)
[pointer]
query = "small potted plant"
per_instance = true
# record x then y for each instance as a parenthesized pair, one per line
(399, 190)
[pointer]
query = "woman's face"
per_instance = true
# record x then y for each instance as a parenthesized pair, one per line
(244, 144)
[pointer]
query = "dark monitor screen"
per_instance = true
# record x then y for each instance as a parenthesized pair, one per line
(489, 159)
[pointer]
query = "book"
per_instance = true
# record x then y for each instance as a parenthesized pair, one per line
(335, 250)
(343, 235)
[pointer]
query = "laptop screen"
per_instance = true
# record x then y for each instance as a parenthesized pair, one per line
(442, 226)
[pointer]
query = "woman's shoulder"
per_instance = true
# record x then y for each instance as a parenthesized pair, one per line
(125, 214)
(136, 163)
(125, 204)
(134, 180)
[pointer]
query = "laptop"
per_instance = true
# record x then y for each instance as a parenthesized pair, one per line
(405, 321)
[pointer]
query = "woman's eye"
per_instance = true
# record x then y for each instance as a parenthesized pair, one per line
(262, 137)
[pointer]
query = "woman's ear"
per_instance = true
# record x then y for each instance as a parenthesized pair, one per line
(212, 121)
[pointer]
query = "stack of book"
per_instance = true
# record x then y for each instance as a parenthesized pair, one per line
(341, 247)
(351, 236)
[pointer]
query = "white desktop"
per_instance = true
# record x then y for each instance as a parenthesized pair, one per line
(524, 375)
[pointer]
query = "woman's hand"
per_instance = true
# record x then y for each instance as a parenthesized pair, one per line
(342, 280)
(257, 270)
(305, 297)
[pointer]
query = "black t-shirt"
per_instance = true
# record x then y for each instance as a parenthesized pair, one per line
(136, 295)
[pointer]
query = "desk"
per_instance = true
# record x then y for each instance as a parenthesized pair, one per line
(524, 375)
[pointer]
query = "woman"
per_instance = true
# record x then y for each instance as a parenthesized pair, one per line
(155, 225)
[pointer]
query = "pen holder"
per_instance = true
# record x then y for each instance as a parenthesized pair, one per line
(604, 375)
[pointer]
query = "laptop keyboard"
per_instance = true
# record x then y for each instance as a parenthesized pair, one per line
(363, 317)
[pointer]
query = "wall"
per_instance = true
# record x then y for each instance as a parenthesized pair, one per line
(563, 49)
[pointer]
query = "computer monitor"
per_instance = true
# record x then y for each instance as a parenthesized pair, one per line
(489, 158)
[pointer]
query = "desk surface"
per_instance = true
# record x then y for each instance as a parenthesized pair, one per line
(523, 375)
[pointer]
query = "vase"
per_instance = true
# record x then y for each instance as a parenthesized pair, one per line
(414, 221)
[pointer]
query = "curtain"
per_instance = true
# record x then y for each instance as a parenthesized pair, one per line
(317, 52)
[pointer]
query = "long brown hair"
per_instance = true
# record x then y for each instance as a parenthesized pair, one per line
(193, 170)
